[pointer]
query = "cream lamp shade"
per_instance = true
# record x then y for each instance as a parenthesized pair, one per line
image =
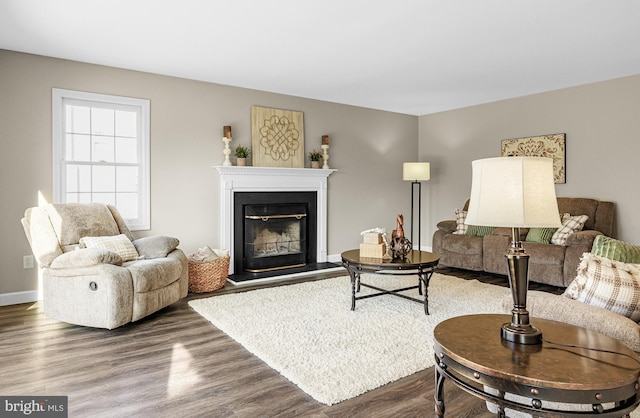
(416, 171)
(517, 192)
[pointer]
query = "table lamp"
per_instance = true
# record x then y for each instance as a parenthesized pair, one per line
(415, 173)
(515, 192)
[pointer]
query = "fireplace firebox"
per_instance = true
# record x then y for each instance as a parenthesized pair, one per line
(274, 231)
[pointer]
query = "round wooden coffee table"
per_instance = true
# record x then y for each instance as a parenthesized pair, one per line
(420, 263)
(471, 353)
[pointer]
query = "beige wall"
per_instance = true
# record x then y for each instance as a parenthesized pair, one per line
(367, 147)
(601, 121)
(602, 124)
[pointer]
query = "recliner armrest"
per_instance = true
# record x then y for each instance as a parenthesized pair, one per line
(582, 238)
(86, 257)
(448, 226)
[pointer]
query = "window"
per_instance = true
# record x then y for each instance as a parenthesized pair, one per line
(101, 152)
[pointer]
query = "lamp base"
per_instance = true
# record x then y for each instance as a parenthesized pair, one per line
(521, 334)
(519, 331)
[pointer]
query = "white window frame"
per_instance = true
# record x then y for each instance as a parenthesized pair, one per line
(59, 97)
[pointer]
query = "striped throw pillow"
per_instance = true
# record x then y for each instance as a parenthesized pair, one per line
(479, 231)
(615, 250)
(541, 235)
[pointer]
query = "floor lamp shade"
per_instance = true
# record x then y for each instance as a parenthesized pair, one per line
(515, 192)
(416, 171)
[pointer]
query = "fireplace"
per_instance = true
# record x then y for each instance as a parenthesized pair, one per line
(275, 230)
(270, 182)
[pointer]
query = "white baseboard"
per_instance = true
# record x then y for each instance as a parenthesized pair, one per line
(16, 298)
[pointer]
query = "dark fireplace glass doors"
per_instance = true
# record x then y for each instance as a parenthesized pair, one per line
(274, 230)
(275, 237)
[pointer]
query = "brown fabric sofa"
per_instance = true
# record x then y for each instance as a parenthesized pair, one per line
(550, 264)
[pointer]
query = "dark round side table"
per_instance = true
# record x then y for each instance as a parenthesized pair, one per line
(471, 353)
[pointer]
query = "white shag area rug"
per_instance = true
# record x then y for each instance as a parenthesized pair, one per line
(308, 333)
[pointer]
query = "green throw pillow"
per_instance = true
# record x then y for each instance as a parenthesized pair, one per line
(479, 231)
(541, 235)
(613, 249)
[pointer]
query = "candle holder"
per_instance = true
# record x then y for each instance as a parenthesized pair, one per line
(226, 131)
(325, 155)
(226, 151)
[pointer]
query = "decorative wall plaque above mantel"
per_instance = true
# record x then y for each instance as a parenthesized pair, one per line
(277, 137)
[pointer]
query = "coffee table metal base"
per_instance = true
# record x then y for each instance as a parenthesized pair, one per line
(423, 283)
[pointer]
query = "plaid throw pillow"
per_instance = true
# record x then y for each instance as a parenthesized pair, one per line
(570, 224)
(119, 244)
(609, 284)
(461, 227)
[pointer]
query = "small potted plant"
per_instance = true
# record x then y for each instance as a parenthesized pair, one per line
(241, 154)
(315, 157)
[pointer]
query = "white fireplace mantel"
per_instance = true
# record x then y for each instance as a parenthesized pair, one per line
(271, 179)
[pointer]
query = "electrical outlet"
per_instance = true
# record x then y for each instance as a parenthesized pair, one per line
(27, 262)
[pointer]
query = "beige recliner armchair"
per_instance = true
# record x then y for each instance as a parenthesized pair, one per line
(94, 273)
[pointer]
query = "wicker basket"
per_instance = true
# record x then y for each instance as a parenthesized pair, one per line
(207, 276)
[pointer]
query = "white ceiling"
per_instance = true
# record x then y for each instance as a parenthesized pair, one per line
(409, 56)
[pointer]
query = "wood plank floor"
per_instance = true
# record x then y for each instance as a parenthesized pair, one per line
(176, 364)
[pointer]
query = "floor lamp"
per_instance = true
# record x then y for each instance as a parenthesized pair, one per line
(515, 192)
(415, 173)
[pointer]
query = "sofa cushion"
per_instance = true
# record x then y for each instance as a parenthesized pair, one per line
(570, 224)
(615, 250)
(149, 275)
(462, 244)
(608, 284)
(156, 246)
(119, 244)
(461, 251)
(461, 227)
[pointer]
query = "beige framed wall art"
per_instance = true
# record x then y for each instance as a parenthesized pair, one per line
(551, 146)
(277, 137)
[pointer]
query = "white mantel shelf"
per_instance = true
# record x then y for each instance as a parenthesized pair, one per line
(271, 179)
(235, 170)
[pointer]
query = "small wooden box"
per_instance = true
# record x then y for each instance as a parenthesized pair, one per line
(372, 238)
(372, 250)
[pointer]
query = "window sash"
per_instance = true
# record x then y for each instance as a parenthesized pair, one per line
(96, 148)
